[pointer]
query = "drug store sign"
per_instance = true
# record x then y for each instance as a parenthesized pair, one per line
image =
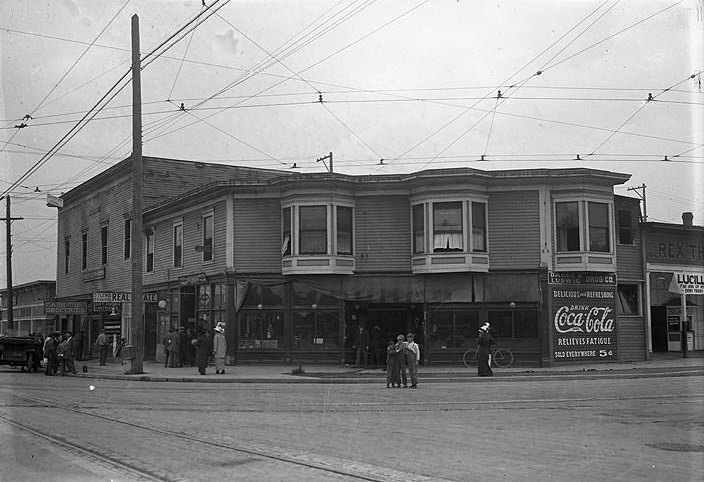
(583, 316)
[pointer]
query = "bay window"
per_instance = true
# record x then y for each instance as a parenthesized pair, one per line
(344, 230)
(478, 227)
(313, 234)
(447, 227)
(599, 233)
(418, 228)
(567, 226)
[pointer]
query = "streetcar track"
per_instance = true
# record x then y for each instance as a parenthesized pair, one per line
(86, 452)
(332, 465)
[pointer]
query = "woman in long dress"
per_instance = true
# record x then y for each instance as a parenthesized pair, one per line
(486, 339)
(204, 348)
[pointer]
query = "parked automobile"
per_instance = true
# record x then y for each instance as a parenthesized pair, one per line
(21, 351)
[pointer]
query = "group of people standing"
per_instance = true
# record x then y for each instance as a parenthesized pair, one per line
(183, 347)
(60, 351)
(402, 357)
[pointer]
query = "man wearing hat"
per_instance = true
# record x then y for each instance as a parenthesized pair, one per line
(219, 348)
(412, 358)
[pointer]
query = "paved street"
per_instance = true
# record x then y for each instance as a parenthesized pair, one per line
(600, 428)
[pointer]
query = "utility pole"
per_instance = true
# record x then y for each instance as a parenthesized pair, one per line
(137, 229)
(641, 195)
(8, 235)
(329, 156)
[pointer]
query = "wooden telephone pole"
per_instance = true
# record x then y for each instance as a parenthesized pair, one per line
(8, 230)
(137, 229)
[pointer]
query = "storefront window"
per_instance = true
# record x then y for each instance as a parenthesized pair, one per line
(261, 330)
(315, 330)
(267, 296)
(525, 324)
(453, 329)
(514, 323)
(501, 323)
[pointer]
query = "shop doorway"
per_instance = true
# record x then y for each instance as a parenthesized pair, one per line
(386, 322)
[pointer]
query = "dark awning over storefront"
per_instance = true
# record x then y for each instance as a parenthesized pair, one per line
(445, 288)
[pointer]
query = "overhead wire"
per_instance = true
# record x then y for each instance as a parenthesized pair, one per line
(109, 95)
(511, 87)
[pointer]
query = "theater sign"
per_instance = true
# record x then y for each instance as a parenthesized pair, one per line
(583, 309)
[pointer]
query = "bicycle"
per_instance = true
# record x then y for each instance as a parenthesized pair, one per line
(500, 357)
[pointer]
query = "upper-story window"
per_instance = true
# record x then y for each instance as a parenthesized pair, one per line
(208, 237)
(149, 252)
(67, 255)
(104, 244)
(317, 230)
(84, 251)
(448, 234)
(624, 220)
(287, 241)
(456, 226)
(567, 226)
(178, 245)
(571, 222)
(312, 231)
(344, 230)
(418, 221)
(478, 226)
(127, 239)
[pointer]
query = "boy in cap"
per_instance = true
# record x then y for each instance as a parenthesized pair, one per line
(412, 358)
(401, 361)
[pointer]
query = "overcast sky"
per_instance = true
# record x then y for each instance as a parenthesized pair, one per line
(414, 82)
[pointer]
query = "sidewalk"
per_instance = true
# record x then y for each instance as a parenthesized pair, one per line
(670, 364)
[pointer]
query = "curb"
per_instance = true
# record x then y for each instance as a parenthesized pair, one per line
(313, 378)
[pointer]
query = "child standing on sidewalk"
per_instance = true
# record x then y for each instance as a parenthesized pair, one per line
(393, 374)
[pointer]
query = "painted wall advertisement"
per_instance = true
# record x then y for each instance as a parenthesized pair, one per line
(583, 316)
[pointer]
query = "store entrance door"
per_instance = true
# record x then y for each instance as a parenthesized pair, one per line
(386, 322)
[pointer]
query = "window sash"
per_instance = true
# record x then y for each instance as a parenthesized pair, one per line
(567, 226)
(286, 242)
(149, 253)
(104, 245)
(447, 227)
(625, 227)
(418, 228)
(84, 251)
(478, 226)
(312, 231)
(127, 239)
(208, 237)
(344, 230)
(599, 232)
(628, 299)
(67, 255)
(178, 246)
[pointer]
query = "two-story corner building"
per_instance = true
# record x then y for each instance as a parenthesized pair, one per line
(94, 238)
(294, 263)
(674, 257)
(30, 312)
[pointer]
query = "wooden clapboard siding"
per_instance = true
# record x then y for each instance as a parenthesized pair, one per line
(629, 257)
(257, 235)
(108, 205)
(514, 230)
(631, 339)
(382, 234)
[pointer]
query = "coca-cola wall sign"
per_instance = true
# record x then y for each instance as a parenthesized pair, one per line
(583, 316)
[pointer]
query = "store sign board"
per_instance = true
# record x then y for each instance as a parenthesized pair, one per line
(122, 296)
(687, 283)
(584, 322)
(65, 308)
(581, 278)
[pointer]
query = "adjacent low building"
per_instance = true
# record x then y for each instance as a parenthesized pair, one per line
(294, 263)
